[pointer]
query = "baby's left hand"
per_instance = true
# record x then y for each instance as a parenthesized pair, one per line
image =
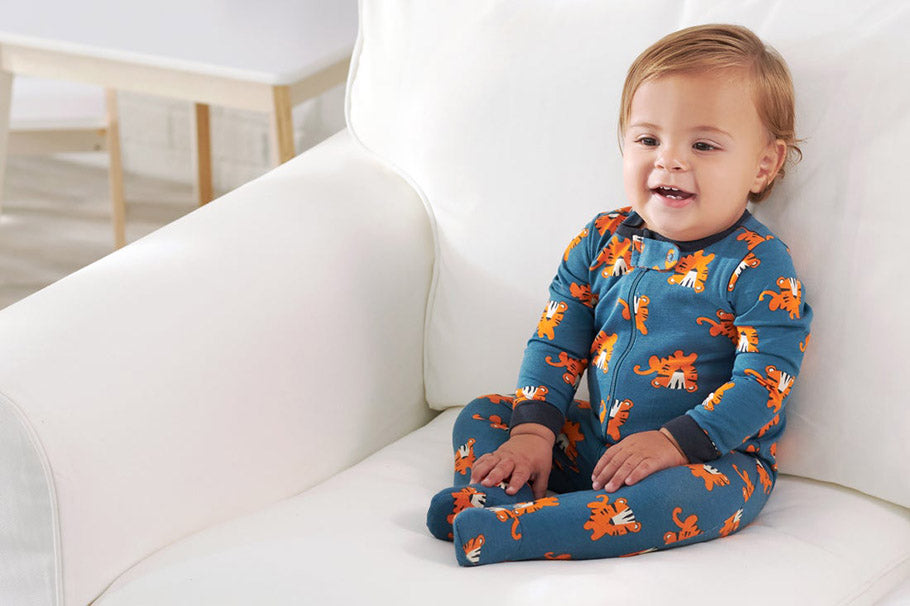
(634, 458)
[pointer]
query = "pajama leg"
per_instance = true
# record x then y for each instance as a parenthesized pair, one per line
(577, 450)
(481, 427)
(676, 506)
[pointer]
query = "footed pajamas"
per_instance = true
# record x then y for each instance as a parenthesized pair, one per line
(702, 338)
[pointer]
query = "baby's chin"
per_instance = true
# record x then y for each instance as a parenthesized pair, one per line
(671, 223)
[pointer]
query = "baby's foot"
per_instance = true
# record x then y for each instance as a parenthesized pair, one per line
(486, 536)
(450, 502)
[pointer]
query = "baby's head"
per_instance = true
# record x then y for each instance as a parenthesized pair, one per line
(722, 77)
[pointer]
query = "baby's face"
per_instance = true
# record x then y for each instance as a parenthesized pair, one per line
(693, 150)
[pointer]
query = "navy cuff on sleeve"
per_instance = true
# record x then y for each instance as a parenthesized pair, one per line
(534, 411)
(692, 439)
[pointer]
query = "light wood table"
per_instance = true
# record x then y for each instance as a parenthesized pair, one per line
(261, 56)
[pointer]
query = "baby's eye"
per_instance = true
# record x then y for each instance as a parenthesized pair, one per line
(647, 141)
(702, 146)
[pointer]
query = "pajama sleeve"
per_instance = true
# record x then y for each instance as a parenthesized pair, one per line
(557, 353)
(773, 325)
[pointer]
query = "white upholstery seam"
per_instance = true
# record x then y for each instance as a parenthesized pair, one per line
(860, 594)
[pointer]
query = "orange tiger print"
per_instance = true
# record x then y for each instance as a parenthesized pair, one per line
(788, 299)
(550, 319)
(778, 384)
(496, 398)
(748, 340)
(688, 528)
(619, 414)
(768, 427)
(748, 487)
(610, 221)
(569, 438)
(745, 338)
(552, 556)
(494, 420)
(465, 498)
(573, 367)
(472, 549)
(715, 397)
(773, 450)
(464, 457)
(804, 344)
(583, 404)
(752, 238)
(712, 476)
(692, 271)
(611, 519)
(616, 256)
(641, 312)
(676, 371)
(504, 514)
(583, 294)
(750, 260)
(731, 524)
(530, 392)
(602, 350)
(763, 477)
(575, 242)
(724, 327)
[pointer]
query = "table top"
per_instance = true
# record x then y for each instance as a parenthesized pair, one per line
(274, 42)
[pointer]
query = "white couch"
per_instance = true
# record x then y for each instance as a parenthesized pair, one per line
(237, 409)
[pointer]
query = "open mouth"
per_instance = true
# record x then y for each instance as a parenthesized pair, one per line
(672, 193)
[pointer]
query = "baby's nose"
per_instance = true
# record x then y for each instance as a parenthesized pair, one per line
(671, 160)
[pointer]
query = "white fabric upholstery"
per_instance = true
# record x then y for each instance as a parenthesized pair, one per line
(172, 385)
(505, 119)
(359, 539)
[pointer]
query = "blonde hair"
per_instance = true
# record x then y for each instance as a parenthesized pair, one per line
(722, 47)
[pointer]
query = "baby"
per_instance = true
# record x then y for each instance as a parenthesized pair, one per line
(686, 312)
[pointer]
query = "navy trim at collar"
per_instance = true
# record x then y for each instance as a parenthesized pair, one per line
(633, 226)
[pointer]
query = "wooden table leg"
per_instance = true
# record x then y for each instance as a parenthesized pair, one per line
(202, 153)
(282, 125)
(6, 103)
(115, 172)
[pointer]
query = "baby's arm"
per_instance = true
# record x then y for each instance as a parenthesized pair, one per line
(555, 357)
(773, 323)
(527, 455)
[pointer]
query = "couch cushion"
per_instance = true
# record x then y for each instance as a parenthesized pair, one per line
(505, 119)
(360, 536)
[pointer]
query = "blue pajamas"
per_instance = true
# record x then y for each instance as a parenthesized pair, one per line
(703, 339)
(676, 506)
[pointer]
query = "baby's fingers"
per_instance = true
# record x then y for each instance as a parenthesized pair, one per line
(520, 476)
(601, 475)
(482, 467)
(500, 472)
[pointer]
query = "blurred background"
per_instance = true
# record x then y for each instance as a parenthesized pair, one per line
(56, 209)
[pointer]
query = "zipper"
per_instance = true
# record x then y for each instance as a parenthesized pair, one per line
(631, 302)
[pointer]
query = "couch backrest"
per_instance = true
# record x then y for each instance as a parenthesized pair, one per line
(503, 115)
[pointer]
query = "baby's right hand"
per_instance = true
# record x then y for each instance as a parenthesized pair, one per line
(527, 455)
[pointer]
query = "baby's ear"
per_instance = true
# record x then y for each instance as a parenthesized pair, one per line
(770, 163)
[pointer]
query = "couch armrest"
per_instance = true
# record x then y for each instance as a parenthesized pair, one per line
(231, 359)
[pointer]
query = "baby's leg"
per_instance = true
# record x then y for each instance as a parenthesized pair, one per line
(481, 427)
(676, 506)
